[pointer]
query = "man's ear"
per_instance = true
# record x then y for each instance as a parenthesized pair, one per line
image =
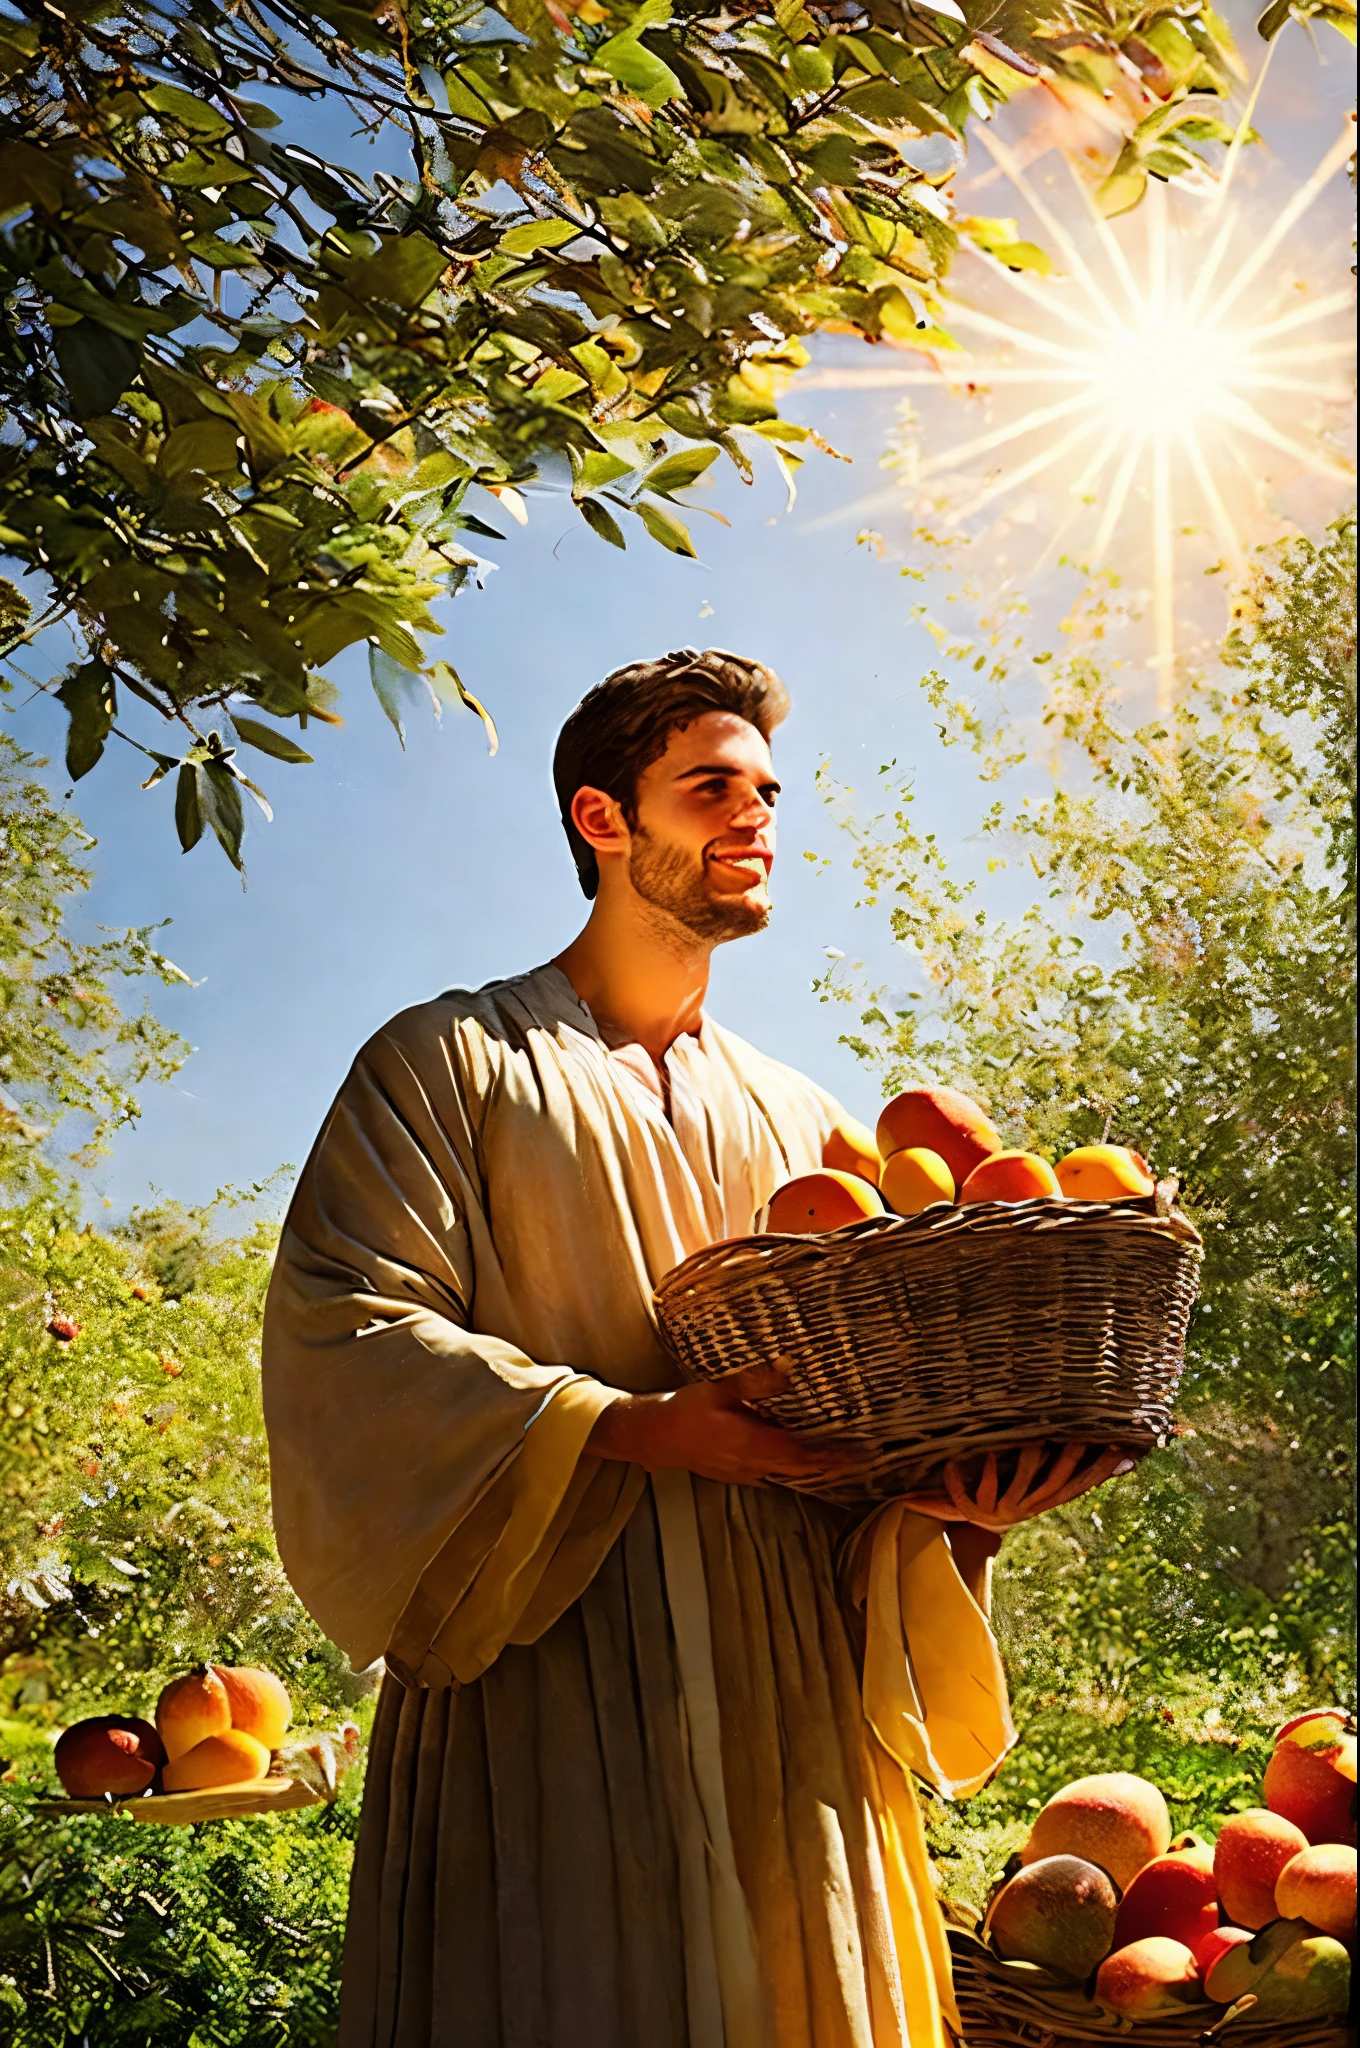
(599, 819)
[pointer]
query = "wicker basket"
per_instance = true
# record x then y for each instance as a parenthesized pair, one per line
(957, 1331)
(274, 1794)
(1013, 2005)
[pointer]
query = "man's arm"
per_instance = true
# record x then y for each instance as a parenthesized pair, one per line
(710, 1431)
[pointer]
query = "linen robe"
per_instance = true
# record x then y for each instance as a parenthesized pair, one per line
(640, 1771)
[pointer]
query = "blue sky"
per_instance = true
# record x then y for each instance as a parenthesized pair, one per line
(388, 876)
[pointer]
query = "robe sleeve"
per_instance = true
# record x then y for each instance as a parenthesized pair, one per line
(432, 1499)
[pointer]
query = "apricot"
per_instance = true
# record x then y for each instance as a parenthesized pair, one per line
(258, 1701)
(1010, 1177)
(1152, 1976)
(914, 1179)
(940, 1120)
(1318, 1885)
(1173, 1895)
(1059, 1912)
(823, 1201)
(851, 1149)
(1114, 1819)
(232, 1758)
(192, 1708)
(108, 1753)
(1103, 1173)
(1310, 1779)
(1252, 1849)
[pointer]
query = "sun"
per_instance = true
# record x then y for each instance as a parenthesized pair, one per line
(1158, 380)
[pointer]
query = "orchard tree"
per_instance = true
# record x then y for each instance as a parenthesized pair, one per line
(256, 370)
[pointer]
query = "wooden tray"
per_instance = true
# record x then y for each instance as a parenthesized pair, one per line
(182, 1809)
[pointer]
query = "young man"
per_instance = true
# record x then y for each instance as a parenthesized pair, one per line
(638, 1777)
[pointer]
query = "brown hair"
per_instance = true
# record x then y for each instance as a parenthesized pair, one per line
(624, 724)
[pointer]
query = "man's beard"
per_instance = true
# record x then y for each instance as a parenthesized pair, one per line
(669, 879)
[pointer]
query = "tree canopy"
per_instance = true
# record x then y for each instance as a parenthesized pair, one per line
(254, 376)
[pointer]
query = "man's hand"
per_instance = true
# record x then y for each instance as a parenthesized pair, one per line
(1074, 1471)
(710, 1431)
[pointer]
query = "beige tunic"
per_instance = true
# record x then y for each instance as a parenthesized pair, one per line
(629, 1783)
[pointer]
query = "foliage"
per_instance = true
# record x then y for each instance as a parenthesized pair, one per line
(249, 386)
(221, 1934)
(1186, 988)
(66, 1048)
(136, 1540)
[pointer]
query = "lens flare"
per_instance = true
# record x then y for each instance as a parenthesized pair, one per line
(1168, 379)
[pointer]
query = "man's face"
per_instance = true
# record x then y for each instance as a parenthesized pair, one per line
(703, 844)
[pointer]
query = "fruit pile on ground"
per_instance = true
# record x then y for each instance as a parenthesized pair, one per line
(1106, 1899)
(934, 1145)
(215, 1727)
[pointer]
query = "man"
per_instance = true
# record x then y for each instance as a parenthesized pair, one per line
(639, 1772)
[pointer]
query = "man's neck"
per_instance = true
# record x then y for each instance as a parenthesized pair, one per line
(641, 975)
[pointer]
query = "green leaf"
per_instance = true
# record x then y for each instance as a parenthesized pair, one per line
(675, 472)
(188, 806)
(88, 694)
(393, 685)
(629, 60)
(602, 522)
(191, 113)
(220, 796)
(537, 234)
(98, 367)
(446, 683)
(405, 271)
(267, 740)
(665, 527)
(596, 466)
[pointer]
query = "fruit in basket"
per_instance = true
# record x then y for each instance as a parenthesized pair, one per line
(1174, 1895)
(1291, 1970)
(232, 1758)
(943, 1121)
(258, 1701)
(915, 1179)
(851, 1149)
(1318, 1885)
(1114, 1819)
(1310, 1779)
(1251, 1851)
(1149, 1977)
(192, 1708)
(1059, 1913)
(108, 1753)
(1103, 1173)
(823, 1201)
(1010, 1177)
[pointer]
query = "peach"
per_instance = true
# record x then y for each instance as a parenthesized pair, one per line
(1241, 1966)
(1059, 1912)
(1173, 1895)
(232, 1758)
(1103, 1173)
(1152, 1976)
(1252, 1849)
(192, 1708)
(1010, 1177)
(1215, 1946)
(851, 1149)
(943, 1121)
(1310, 1779)
(259, 1703)
(109, 1753)
(1318, 1885)
(914, 1179)
(823, 1201)
(1114, 1819)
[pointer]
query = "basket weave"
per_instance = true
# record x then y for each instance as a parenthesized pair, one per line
(960, 1330)
(1004, 2005)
